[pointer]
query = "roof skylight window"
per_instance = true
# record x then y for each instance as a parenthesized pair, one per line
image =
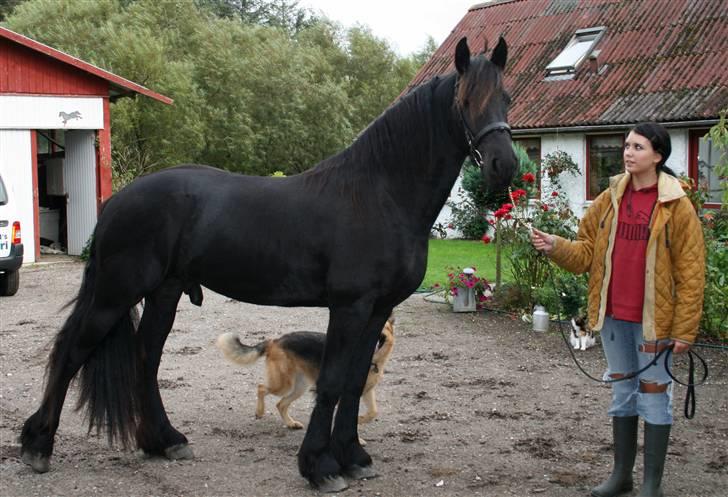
(580, 45)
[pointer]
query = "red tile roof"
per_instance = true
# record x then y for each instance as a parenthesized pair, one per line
(117, 85)
(658, 60)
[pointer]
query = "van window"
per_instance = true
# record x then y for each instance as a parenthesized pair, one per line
(3, 193)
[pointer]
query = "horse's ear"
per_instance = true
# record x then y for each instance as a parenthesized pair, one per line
(462, 56)
(500, 54)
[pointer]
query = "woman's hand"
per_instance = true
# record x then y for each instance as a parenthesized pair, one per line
(680, 347)
(543, 242)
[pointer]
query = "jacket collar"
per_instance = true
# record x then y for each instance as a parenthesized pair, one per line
(669, 188)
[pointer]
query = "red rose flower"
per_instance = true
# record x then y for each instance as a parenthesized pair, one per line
(554, 194)
(528, 178)
(545, 207)
(486, 239)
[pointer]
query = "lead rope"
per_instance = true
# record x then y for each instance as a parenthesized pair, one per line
(689, 405)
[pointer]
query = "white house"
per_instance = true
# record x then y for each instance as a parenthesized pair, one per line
(581, 73)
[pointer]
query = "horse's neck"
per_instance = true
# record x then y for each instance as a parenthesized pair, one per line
(415, 154)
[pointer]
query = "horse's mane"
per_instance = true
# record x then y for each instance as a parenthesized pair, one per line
(390, 141)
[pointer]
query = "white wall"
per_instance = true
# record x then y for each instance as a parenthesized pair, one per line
(573, 186)
(678, 160)
(39, 112)
(456, 196)
(16, 167)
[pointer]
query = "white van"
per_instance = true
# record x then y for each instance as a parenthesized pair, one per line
(11, 248)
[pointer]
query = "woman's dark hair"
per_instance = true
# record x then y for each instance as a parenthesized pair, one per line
(660, 140)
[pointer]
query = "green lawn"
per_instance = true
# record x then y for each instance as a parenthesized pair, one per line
(461, 253)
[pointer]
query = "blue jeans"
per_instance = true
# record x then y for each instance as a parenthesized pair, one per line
(622, 342)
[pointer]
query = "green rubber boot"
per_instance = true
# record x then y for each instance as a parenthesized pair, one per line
(657, 438)
(624, 432)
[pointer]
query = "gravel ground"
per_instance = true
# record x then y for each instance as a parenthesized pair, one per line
(471, 404)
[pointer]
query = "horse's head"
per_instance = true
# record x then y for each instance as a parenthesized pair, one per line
(481, 103)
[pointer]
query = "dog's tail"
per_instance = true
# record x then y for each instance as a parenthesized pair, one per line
(239, 353)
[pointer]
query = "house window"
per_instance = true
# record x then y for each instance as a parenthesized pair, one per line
(580, 45)
(604, 159)
(704, 156)
(532, 146)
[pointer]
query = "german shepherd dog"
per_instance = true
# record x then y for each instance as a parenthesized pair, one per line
(292, 365)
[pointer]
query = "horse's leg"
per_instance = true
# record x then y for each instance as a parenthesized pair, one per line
(155, 434)
(345, 441)
(316, 460)
(83, 331)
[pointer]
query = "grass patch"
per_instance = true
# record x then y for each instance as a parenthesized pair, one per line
(444, 254)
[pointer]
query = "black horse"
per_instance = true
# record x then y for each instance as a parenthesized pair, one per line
(350, 234)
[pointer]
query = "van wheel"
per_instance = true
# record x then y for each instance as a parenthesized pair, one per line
(9, 283)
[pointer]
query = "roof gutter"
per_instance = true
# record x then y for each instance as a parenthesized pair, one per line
(610, 127)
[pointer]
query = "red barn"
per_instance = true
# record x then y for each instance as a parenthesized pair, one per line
(55, 140)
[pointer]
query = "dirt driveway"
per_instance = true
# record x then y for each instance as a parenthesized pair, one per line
(469, 405)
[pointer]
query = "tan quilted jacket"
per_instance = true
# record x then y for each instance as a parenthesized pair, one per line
(675, 265)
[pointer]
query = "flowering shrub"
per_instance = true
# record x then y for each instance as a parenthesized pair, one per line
(552, 214)
(469, 214)
(714, 320)
(459, 280)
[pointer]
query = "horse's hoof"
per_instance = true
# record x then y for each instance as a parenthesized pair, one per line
(40, 464)
(179, 451)
(331, 484)
(361, 472)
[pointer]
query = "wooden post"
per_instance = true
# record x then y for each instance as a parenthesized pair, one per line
(497, 253)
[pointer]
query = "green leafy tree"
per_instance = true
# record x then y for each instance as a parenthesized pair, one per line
(7, 6)
(258, 86)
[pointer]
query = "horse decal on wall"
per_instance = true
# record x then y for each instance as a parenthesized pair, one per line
(65, 117)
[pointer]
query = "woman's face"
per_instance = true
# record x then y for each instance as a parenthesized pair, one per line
(639, 156)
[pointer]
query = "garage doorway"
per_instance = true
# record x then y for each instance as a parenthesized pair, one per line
(67, 208)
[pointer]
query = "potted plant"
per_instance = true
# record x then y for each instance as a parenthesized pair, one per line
(467, 290)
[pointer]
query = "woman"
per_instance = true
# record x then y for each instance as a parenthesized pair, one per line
(642, 244)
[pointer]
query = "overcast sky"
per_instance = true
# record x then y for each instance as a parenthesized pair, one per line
(404, 23)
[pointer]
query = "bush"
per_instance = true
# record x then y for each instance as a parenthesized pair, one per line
(714, 321)
(469, 215)
(567, 293)
(552, 214)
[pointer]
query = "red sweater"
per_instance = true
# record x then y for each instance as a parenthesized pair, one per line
(627, 283)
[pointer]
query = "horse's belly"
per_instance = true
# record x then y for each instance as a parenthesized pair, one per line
(268, 289)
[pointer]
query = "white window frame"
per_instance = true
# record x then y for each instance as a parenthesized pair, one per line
(578, 48)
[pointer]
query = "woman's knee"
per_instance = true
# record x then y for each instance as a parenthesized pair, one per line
(650, 387)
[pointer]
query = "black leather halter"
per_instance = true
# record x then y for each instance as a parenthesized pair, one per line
(475, 139)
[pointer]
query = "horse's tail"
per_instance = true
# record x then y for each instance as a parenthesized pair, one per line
(107, 378)
(239, 353)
